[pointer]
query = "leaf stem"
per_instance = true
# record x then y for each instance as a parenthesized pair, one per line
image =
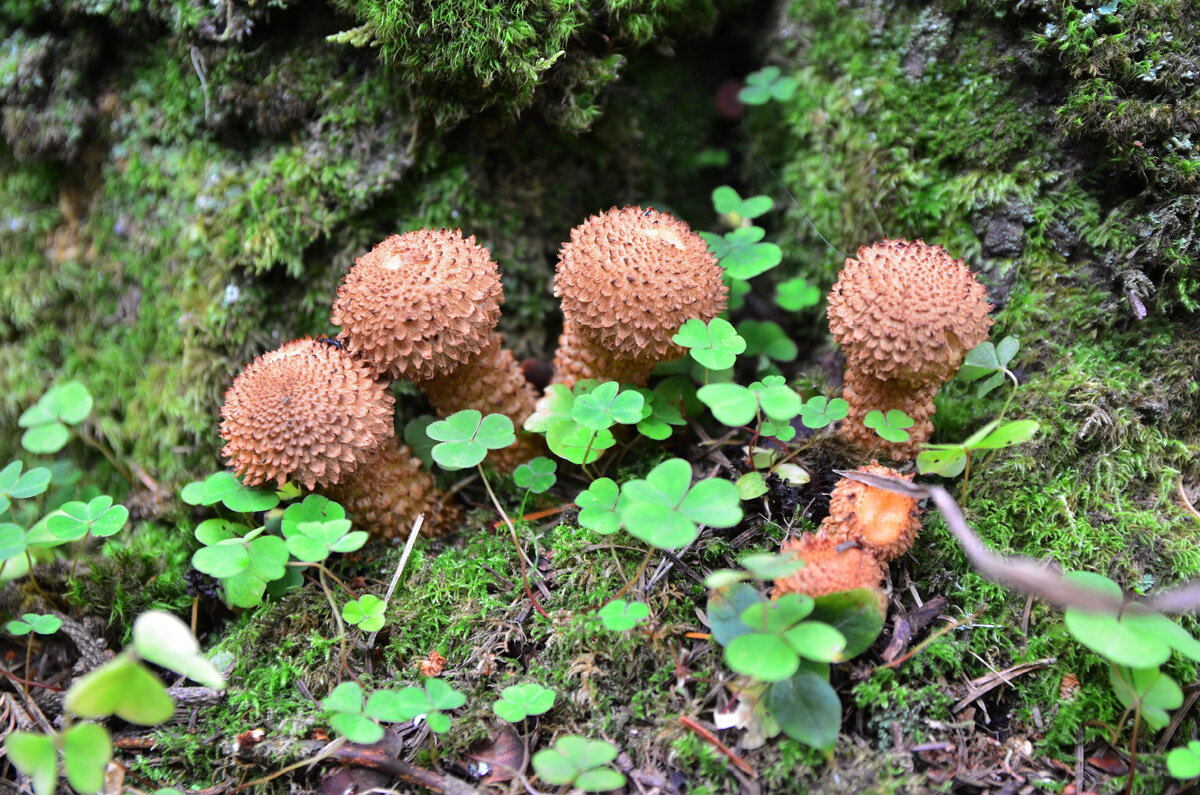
(516, 543)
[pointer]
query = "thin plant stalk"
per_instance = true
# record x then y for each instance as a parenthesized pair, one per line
(516, 543)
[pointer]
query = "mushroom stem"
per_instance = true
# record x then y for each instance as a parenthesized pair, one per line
(582, 356)
(864, 393)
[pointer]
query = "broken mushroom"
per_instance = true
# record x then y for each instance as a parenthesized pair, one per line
(883, 523)
(827, 569)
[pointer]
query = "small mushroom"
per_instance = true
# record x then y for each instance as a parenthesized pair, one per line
(906, 314)
(826, 568)
(628, 279)
(310, 412)
(422, 306)
(883, 523)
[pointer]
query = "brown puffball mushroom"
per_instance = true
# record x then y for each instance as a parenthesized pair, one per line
(882, 522)
(310, 412)
(628, 279)
(422, 306)
(906, 314)
(826, 569)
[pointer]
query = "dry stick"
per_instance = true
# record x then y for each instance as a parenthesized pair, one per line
(1023, 574)
(408, 547)
(711, 738)
(516, 543)
(1187, 503)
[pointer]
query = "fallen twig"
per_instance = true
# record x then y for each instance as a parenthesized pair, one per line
(982, 685)
(712, 740)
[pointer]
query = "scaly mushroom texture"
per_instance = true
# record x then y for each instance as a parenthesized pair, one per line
(906, 314)
(422, 306)
(312, 413)
(628, 279)
(826, 569)
(882, 522)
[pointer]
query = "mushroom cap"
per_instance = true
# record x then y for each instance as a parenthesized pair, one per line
(307, 411)
(907, 311)
(826, 570)
(631, 277)
(882, 522)
(419, 304)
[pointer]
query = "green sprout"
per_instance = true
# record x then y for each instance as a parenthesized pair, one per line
(244, 560)
(714, 344)
(890, 427)
(98, 517)
(729, 204)
(85, 749)
(432, 701)
(517, 702)
(536, 475)
(607, 405)
(15, 486)
(355, 718)
(951, 460)
(742, 253)
(621, 616)
(46, 421)
(818, 412)
(579, 762)
(566, 437)
(736, 405)
(990, 360)
(35, 623)
(767, 84)
(366, 612)
(598, 506)
(660, 412)
(317, 527)
(1184, 762)
(771, 652)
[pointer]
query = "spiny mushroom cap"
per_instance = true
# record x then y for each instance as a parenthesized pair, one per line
(883, 522)
(419, 304)
(907, 311)
(826, 570)
(631, 277)
(307, 411)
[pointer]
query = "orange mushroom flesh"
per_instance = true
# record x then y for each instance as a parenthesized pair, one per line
(423, 306)
(312, 413)
(628, 279)
(882, 522)
(906, 314)
(827, 569)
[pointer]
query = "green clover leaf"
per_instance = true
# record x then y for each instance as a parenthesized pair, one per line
(13, 540)
(432, 700)
(163, 639)
(46, 421)
(732, 404)
(765, 85)
(598, 506)
(765, 338)
(35, 756)
(890, 427)
(348, 716)
(122, 687)
(579, 762)
(621, 616)
(796, 294)
(714, 344)
(36, 623)
(518, 702)
(660, 411)
(742, 253)
(1184, 762)
(605, 406)
(99, 517)
(571, 441)
(536, 475)
(243, 564)
(467, 435)
(664, 510)
(227, 489)
(366, 613)
(726, 201)
(15, 486)
(818, 412)
(86, 749)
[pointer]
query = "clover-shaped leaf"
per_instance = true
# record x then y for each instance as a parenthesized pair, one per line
(571, 441)
(467, 435)
(988, 359)
(554, 406)
(743, 255)
(751, 485)
(34, 755)
(727, 201)
(227, 489)
(620, 616)
(13, 540)
(778, 401)
(122, 687)
(779, 637)
(312, 542)
(606, 405)
(432, 700)
(348, 715)
(714, 344)
(366, 612)
(767, 84)
(314, 508)
(36, 623)
(765, 338)
(1147, 690)
(244, 565)
(579, 762)
(86, 750)
(891, 426)
(416, 436)
(163, 639)
(99, 517)
(46, 421)
(732, 404)
(1184, 762)
(660, 411)
(536, 475)
(796, 294)
(15, 486)
(818, 412)
(664, 509)
(598, 506)
(518, 702)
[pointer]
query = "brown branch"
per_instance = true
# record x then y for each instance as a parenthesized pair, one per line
(1022, 574)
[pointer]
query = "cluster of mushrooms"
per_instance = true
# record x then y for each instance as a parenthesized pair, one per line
(423, 307)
